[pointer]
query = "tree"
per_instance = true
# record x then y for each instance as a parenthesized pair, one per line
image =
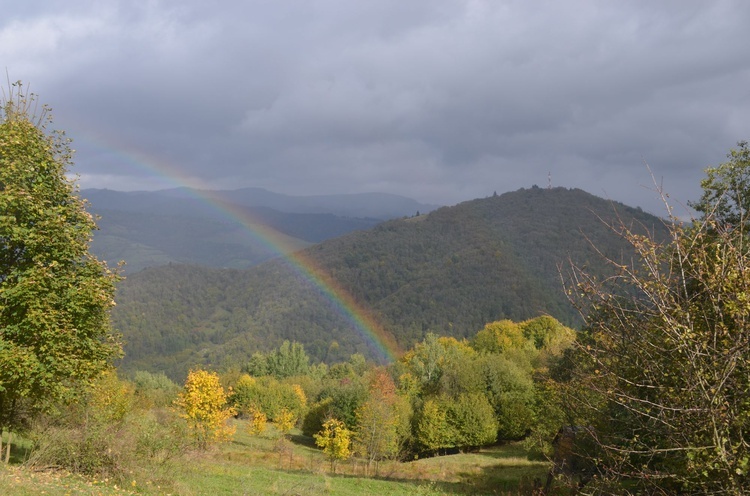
(500, 337)
(203, 403)
(376, 435)
(346, 396)
(441, 364)
(258, 365)
(288, 360)
(55, 296)
(472, 421)
(547, 334)
(154, 390)
(268, 395)
(285, 421)
(509, 388)
(424, 361)
(660, 373)
(726, 190)
(257, 422)
(335, 440)
(431, 430)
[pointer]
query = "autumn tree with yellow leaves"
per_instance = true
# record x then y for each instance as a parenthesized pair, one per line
(203, 403)
(335, 440)
(257, 422)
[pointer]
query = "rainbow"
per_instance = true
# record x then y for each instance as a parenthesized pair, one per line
(376, 337)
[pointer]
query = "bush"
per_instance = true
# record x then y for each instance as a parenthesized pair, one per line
(269, 396)
(104, 436)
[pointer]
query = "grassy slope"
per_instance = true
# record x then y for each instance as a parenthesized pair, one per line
(254, 465)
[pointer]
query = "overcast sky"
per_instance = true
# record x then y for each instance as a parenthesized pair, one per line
(438, 100)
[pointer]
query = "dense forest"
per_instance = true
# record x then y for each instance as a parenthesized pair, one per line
(448, 272)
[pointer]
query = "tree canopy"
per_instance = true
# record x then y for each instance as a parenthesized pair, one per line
(54, 295)
(726, 189)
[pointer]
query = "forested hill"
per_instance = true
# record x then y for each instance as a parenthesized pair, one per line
(448, 272)
(146, 229)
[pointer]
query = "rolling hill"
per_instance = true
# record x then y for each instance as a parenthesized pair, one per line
(147, 229)
(448, 272)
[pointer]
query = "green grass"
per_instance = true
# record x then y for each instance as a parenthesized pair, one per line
(264, 465)
(20, 449)
(16, 481)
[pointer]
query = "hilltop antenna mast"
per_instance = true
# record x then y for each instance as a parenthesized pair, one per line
(549, 180)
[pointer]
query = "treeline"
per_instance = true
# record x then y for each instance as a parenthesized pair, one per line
(448, 273)
(443, 395)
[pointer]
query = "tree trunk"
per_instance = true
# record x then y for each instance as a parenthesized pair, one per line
(7, 448)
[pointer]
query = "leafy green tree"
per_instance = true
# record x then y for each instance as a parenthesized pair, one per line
(661, 369)
(441, 365)
(509, 388)
(354, 368)
(550, 413)
(432, 432)
(425, 360)
(726, 190)
(472, 421)
(269, 396)
(55, 296)
(316, 416)
(548, 334)
(258, 365)
(288, 360)
(459, 369)
(346, 396)
(376, 434)
(154, 390)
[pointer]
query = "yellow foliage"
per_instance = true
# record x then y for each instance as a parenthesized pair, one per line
(110, 398)
(245, 381)
(501, 336)
(335, 440)
(257, 423)
(203, 403)
(285, 420)
(301, 394)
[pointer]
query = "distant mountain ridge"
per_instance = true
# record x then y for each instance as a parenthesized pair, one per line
(382, 206)
(149, 228)
(448, 272)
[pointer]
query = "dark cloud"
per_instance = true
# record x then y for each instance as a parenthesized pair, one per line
(440, 100)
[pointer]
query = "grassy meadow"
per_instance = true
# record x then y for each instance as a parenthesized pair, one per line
(270, 464)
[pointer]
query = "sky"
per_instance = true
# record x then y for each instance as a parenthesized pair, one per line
(438, 100)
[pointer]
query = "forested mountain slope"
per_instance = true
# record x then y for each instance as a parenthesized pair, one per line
(368, 205)
(448, 272)
(147, 229)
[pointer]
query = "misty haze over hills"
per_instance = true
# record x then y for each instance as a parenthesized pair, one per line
(215, 228)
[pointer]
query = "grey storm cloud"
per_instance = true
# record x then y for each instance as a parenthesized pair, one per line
(439, 100)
